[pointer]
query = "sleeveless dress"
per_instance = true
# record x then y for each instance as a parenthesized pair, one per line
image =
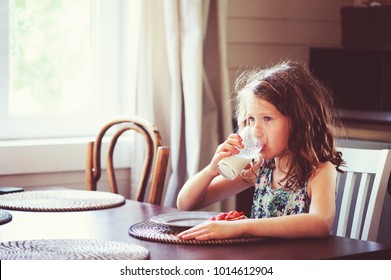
(269, 202)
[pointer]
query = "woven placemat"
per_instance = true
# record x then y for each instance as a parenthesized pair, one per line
(60, 200)
(71, 249)
(5, 217)
(162, 233)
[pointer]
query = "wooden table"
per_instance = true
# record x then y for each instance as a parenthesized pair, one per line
(113, 224)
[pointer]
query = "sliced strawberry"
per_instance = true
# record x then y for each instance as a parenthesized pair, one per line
(228, 216)
(233, 214)
(222, 216)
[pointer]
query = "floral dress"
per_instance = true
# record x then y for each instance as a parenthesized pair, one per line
(269, 202)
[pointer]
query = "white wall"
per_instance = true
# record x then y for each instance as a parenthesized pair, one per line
(263, 31)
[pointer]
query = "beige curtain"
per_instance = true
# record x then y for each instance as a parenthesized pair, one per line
(183, 82)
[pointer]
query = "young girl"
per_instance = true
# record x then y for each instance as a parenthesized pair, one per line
(291, 113)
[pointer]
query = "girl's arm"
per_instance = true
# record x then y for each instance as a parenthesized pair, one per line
(317, 223)
(204, 189)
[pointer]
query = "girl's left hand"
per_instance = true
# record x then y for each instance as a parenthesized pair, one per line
(213, 230)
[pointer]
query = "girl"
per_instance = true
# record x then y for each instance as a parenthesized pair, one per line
(291, 113)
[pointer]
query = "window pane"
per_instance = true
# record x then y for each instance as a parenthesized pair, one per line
(51, 56)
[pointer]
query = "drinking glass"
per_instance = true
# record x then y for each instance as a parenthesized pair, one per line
(230, 167)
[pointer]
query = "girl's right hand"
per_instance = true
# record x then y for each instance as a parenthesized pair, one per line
(229, 147)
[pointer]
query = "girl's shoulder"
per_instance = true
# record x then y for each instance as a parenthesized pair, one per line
(327, 167)
(325, 172)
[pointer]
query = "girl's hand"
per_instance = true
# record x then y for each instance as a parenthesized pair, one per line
(213, 230)
(229, 147)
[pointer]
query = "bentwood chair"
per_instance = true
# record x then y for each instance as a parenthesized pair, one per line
(155, 163)
(361, 191)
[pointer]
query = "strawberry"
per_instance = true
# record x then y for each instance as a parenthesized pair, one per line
(222, 216)
(233, 214)
(227, 216)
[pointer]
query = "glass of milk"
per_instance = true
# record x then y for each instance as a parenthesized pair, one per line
(230, 167)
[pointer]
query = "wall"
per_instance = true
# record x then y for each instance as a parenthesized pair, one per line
(263, 31)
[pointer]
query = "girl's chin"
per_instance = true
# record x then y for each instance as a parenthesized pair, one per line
(265, 155)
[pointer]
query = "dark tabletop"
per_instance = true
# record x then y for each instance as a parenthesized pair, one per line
(114, 223)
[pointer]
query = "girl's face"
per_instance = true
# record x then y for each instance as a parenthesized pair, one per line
(269, 125)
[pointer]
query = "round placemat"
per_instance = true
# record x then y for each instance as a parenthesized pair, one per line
(5, 217)
(162, 233)
(71, 249)
(60, 200)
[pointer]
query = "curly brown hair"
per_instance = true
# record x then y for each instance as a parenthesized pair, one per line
(308, 104)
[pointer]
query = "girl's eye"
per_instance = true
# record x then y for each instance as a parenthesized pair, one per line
(267, 119)
(251, 121)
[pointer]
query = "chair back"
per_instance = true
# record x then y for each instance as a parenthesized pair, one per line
(155, 163)
(361, 191)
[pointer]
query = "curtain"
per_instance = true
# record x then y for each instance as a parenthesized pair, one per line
(182, 82)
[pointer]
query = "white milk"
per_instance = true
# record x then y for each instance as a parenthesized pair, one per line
(231, 167)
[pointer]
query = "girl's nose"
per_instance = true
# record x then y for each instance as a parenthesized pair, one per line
(257, 132)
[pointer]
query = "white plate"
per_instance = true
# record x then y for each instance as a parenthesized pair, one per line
(183, 219)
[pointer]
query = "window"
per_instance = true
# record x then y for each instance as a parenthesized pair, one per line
(62, 66)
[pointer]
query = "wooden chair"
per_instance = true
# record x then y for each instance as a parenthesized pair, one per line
(154, 166)
(361, 191)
